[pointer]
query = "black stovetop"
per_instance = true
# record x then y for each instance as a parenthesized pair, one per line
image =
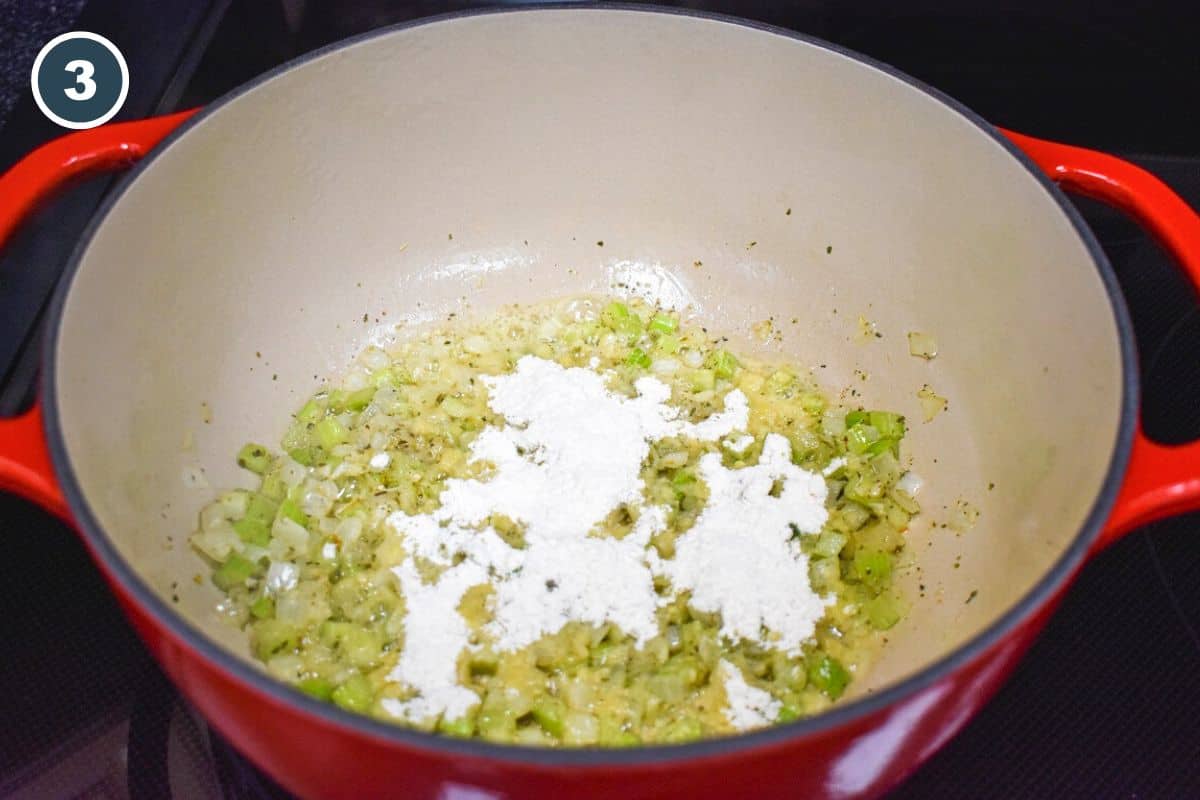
(1107, 703)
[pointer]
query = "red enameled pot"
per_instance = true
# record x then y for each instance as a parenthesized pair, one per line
(477, 159)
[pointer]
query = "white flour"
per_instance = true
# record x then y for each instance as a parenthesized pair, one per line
(570, 453)
(740, 557)
(747, 707)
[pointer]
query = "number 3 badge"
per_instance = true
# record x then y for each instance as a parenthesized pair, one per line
(80, 80)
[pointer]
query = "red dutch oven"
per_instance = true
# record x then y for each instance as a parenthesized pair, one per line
(478, 159)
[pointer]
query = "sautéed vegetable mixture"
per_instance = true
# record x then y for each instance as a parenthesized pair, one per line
(578, 523)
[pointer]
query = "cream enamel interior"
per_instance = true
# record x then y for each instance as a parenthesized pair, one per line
(466, 163)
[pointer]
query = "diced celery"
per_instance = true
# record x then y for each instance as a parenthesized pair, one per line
(330, 433)
(354, 694)
(273, 486)
(702, 379)
(351, 401)
(637, 357)
(884, 445)
(889, 425)
(685, 730)
(618, 318)
(549, 714)
(683, 477)
(829, 544)
(272, 637)
(263, 607)
(254, 457)
(723, 364)
(460, 728)
(662, 324)
(874, 567)
(235, 571)
(812, 403)
(884, 611)
(787, 713)
(858, 417)
(316, 687)
(306, 456)
(310, 412)
(828, 675)
(668, 345)
(860, 437)
(261, 508)
(253, 531)
(361, 647)
(290, 509)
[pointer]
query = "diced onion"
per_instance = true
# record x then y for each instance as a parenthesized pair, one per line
(922, 345)
(910, 483)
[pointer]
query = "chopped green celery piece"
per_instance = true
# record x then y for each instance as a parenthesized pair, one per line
(723, 364)
(483, 662)
(254, 457)
(638, 358)
(828, 675)
(316, 687)
(856, 418)
(884, 611)
(905, 501)
(330, 433)
(812, 403)
(549, 714)
(865, 489)
(618, 737)
(273, 486)
(307, 456)
(235, 571)
(860, 437)
(271, 637)
(290, 509)
(261, 508)
(357, 400)
(874, 567)
(253, 531)
(829, 544)
(263, 607)
(779, 380)
(685, 730)
(702, 379)
(360, 646)
(787, 713)
(889, 425)
(683, 477)
(669, 345)
(354, 694)
(885, 445)
(854, 515)
(622, 321)
(880, 536)
(310, 412)
(886, 467)
(460, 728)
(662, 324)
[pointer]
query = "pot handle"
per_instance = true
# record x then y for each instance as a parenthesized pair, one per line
(1161, 480)
(25, 467)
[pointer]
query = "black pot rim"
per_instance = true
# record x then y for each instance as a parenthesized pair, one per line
(850, 712)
